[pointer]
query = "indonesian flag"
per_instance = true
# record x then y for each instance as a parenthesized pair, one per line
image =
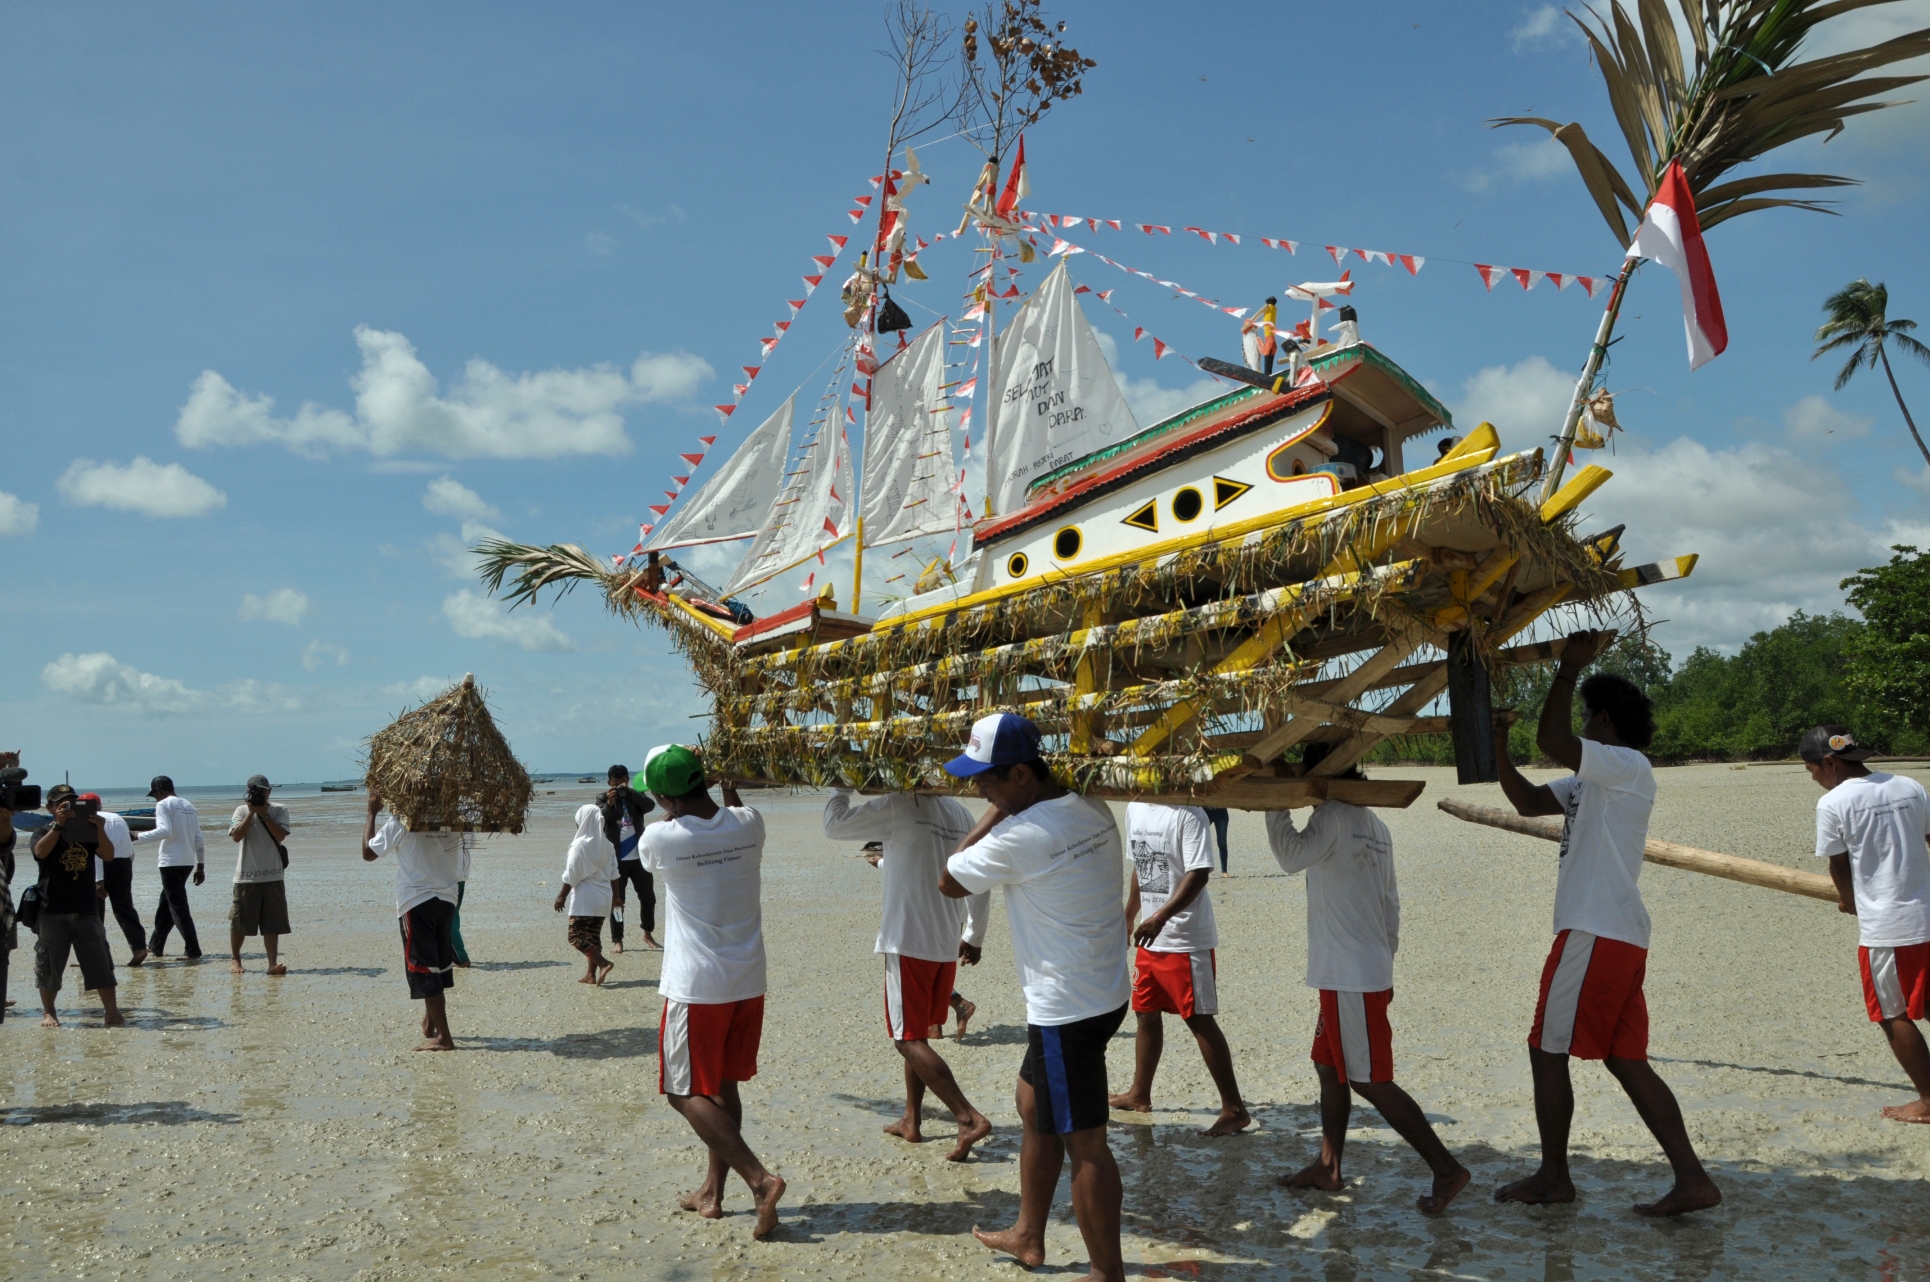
(1017, 185)
(1671, 235)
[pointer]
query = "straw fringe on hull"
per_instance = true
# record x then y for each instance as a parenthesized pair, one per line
(1165, 678)
(445, 767)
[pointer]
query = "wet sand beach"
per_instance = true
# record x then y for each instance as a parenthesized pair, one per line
(248, 1127)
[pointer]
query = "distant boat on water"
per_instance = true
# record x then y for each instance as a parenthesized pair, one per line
(341, 787)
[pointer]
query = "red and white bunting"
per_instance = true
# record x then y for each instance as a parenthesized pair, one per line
(1211, 238)
(1150, 228)
(1489, 274)
(1524, 277)
(1340, 253)
(1291, 246)
(837, 243)
(1413, 263)
(694, 459)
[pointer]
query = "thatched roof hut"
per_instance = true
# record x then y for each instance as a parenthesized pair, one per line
(445, 767)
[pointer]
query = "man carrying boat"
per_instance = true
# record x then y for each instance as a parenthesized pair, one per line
(1870, 825)
(1058, 856)
(1591, 1002)
(923, 937)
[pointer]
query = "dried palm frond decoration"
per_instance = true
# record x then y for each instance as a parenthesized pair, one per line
(1742, 95)
(445, 767)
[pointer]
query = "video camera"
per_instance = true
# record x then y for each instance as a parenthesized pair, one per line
(15, 792)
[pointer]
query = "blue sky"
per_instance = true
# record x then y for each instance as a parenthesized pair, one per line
(507, 256)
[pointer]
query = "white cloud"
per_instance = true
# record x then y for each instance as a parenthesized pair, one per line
(478, 618)
(453, 554)
(1150, 401)
(419, 690)
(447, 496)
(1917, 479)
(318, 654)
(1522, 162)
(600, 243)
(1751, 515)
(1815, 419)
(1526, 402)
(100, 678)
(399, 407)
(144, 486)
(1539, 28)
(17, 516)
(283, 605)
(671, 214)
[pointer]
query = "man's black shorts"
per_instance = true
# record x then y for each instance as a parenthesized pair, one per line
(429, 948)
(1065, 1065)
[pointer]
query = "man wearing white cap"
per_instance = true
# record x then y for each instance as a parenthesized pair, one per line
(1058, 856)
(1870, 825)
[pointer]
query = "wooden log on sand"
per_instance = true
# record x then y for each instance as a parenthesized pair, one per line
(1754, 872)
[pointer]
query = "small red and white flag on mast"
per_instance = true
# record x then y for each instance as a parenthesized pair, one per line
(1018, 184)
(1671, 235)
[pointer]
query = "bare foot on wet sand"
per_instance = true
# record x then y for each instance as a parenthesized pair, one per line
(964, 1011)
(1129, 1103)
(1537, 1190)
(278, 969)
(603, 971)
(616, 946)
(1316, 1175)
(703, 1202)
(1229, 1122)
(1028, 1251)
(116, 1020)
(1446, 1189)
(234, 967)
(1691, 1195)
(906, 1129)
(437, 1044)
(969, 1133)
(767, 1207)
(587, 979)
(139, 957)
(1915, 1111)
(48, 1021)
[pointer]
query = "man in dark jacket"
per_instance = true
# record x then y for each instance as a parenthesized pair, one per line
(623, 811)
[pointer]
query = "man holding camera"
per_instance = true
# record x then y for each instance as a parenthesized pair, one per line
(10, 776)
(178, 828)
(261, 899)
(69, 918)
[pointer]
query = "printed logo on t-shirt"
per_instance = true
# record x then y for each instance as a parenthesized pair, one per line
(1569, 807)
(1154, 871)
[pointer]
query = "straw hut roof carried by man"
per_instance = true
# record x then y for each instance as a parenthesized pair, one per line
(445, 767)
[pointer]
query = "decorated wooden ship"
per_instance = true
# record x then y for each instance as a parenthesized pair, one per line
(1181, 608)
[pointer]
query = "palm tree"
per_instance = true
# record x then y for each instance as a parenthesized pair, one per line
(1743, 91)
(1857, 319)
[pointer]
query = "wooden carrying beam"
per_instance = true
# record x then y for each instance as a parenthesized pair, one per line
(1261, 793)
(1753, 872)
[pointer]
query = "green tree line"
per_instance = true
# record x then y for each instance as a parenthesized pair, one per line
(1870, 673)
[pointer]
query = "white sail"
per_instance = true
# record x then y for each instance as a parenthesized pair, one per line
(1055, 398)
(908, 470)
(812, 511)
(735, 503)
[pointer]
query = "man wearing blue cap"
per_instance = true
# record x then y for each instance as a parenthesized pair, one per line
(1058, 855)
(709, 860)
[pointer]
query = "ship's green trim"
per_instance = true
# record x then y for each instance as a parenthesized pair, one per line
(1173, 424)
(1180, 421)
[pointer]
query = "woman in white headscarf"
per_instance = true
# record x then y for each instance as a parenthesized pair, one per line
(587, 874)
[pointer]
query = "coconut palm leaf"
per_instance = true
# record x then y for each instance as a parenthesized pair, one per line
(534, 568)
(1743, 94)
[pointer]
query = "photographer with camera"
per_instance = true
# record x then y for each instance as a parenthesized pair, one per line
(69, 918)
(261, 900)
(178, 828)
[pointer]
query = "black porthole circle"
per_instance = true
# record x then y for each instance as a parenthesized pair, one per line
(1066, 543)
(1187, 505)
(1016, 565)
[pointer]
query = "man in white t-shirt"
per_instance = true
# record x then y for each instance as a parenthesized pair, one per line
(1174, 968)
(182, 852)
(116, 876)
(1353, 930)
(923, 936)
(1591, 1002)
(1870, 825)
(708, 860)
(1058, 856)
(427, 867)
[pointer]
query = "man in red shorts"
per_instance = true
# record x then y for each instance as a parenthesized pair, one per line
(923, 936)
(1870, 825)
(1353, 931)
(708, 859)
(1174, 967)
(1591, 1002)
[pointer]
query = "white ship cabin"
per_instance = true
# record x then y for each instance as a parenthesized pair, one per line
(1250, 454)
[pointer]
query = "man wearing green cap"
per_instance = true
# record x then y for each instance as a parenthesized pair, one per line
(708, 859)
